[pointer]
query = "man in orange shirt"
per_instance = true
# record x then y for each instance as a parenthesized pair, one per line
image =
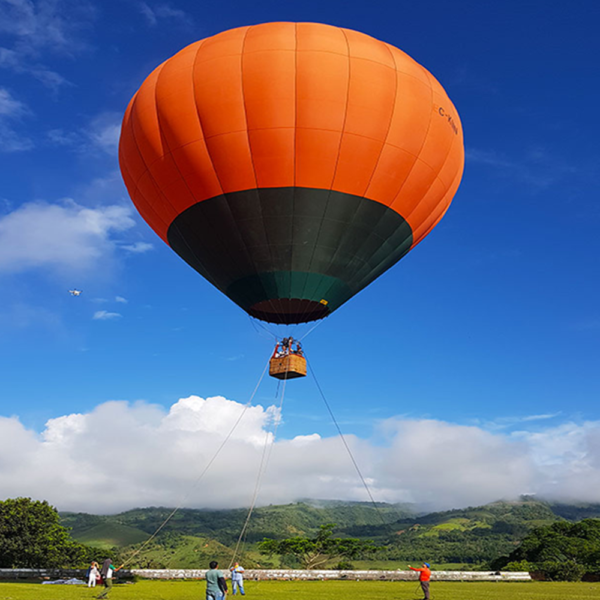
(424, 577)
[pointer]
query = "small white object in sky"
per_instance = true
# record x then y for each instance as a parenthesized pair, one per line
(75, 292)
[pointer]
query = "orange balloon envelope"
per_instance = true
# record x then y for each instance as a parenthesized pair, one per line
(291, 164)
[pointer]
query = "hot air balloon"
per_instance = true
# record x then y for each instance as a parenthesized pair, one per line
(291, 164)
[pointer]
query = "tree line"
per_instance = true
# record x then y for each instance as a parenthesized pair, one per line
(31, 536)
(558, 552)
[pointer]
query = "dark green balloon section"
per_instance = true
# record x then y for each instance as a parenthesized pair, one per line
(290, 255)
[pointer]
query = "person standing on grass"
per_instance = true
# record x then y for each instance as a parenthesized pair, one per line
(93, 573)
(107, 577)
(237, 579)
(424, 577)
(216, 586)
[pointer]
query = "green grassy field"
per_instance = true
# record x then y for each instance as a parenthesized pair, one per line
(312, 590)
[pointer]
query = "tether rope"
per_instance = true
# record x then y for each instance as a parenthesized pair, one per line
(311, 329)
(292, 331)
(204, 471)
(264, 461)
(342, 437)
(253, 320)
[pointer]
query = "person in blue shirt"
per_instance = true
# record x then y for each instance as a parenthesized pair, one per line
(237, 579)
(216, 586)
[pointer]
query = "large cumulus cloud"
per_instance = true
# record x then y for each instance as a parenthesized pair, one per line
(123, 455)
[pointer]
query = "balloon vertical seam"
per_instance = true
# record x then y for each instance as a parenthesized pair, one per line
(448, 154)
(173, 224)
(449, 193)
(365, 195)
(295, 148)
(440, 202)
(381, 151)
(200, 124)
(331, 185)
(271, 301)
(387, 135)
(146, 164)
(422, 144)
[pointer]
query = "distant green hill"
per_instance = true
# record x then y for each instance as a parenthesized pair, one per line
(576, 512)
(101, 531)
(180, 551)
(277, 521)
(473, 535)
(470, 536)
(109, 535)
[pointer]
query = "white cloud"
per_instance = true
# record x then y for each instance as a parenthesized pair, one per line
(103, 191)
(67, 237)
(104, 315)
(569, 458)
(235, 357)
(217, 415)
(542, 417)
(123, 455)
(137, 247)
(456, 461)
(41, 27)
(158, 12)
(20, 63)
(537, 167)
(511, 422)
(104, 132)
(44, 24)
(121, 299)
(9, 106)
(59, 137)
(12, 110)
(101, 133)
(11, 141)
(23, 316)
(489, 157)
(304, 440)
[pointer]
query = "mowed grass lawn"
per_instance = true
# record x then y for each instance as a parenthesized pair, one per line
(312, 590)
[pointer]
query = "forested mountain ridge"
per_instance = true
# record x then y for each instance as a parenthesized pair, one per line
(473, 535)
(277, 521)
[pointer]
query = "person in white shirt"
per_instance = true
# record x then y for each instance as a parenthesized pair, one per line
(93, 573)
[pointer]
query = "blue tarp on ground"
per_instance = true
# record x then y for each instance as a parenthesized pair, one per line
(66, 582)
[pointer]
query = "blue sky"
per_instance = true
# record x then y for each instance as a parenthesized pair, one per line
(483, 342)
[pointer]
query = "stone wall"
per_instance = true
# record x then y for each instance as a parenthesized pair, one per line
(277, 574)
(41, 573)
